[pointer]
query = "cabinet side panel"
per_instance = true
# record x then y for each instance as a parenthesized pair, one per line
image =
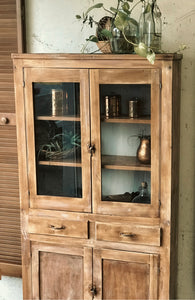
(175, 177)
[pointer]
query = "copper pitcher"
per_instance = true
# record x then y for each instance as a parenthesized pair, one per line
(144, 150)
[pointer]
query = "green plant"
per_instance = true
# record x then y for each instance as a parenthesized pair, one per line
(120, 18)
(61, 145)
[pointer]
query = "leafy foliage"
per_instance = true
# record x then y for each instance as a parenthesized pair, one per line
(120, 19)
(60, 145)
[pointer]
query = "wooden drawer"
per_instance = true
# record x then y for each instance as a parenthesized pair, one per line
(58, 227)
(143, 235)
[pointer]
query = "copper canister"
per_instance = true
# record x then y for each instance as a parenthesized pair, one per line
(112, 106)
(133, 109)
(107, 107)
(57, 102)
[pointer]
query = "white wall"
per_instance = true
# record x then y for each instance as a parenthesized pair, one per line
(10, 288)
(52, 27)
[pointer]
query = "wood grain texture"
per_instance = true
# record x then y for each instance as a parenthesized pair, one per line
(128, 234)
(60, 272)
(59, 227)
(116, 162)
(123, 275)
(10, 238)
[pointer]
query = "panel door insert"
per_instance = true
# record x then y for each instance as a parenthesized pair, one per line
(125, 132)
(125, 275)
(58, 134)
(61, 272)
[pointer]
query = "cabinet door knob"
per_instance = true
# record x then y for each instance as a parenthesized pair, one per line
(91, 148)
(4, 120)
(92, 290)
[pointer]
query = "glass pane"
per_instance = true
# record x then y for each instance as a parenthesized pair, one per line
(56, 99)
(59, 181)
(125, 143)
(124, 186)
(58, 139)
(126, 93)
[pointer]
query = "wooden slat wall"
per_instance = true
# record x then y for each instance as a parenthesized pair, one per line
(10, 239)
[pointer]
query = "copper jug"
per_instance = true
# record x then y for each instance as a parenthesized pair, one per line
(144, 150)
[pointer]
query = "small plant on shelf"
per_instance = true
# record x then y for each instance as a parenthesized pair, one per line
(62, 146)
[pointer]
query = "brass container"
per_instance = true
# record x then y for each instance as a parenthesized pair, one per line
(112, 106)
(144, 150)
(57, 102)
(133, 109)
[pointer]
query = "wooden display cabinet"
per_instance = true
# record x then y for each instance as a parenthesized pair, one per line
(85, 234)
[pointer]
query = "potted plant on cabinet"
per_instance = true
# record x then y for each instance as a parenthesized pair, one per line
(119, 30)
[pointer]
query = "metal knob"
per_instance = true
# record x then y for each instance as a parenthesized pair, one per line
(57, 228)
(128, 234)
(91, 148)
(4, 120)
(92, 290)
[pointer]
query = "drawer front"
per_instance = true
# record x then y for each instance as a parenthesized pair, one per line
(143, 235)
(58, 227)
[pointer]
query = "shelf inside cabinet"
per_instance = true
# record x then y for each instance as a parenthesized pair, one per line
(125, 119)
(63, 163)
(116, 162)
(59, 118)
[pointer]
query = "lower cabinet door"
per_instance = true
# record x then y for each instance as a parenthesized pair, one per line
(61, 272)
(125, 275)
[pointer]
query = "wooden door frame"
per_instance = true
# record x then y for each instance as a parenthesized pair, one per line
(61, 75)
(108, 76)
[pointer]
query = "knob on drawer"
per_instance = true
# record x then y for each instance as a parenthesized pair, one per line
(4, 120)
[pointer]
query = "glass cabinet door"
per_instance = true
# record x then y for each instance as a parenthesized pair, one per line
(58, 134)
(125, 132)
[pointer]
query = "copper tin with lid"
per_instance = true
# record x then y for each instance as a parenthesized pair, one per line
(112, 106)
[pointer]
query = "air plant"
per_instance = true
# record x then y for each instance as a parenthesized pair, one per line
(62, 145)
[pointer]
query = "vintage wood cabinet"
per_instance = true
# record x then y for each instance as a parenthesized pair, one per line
(85, 234)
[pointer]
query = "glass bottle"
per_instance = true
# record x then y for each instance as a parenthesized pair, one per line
(158, 28)
(149, 25)
(144, 196)
(141, 23)
(118, 42)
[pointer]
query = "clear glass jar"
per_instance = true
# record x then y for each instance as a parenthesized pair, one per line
(119, 44)
(144, 196)
(149, 26)
(141, 23)
(158, 28)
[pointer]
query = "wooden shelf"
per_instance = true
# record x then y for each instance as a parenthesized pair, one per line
(59, 118)
(144, 120)
(58, 163)
(116, 162)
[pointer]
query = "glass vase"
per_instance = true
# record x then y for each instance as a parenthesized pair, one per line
(122, 43)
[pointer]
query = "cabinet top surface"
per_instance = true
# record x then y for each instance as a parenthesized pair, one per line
(77, 56)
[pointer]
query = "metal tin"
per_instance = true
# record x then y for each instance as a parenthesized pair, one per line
(57, 102)
(107, 111)
(133, 109)
(112, 106)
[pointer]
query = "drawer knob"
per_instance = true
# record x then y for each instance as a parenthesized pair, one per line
(128, 234)
(57, 228)
(4, 120)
